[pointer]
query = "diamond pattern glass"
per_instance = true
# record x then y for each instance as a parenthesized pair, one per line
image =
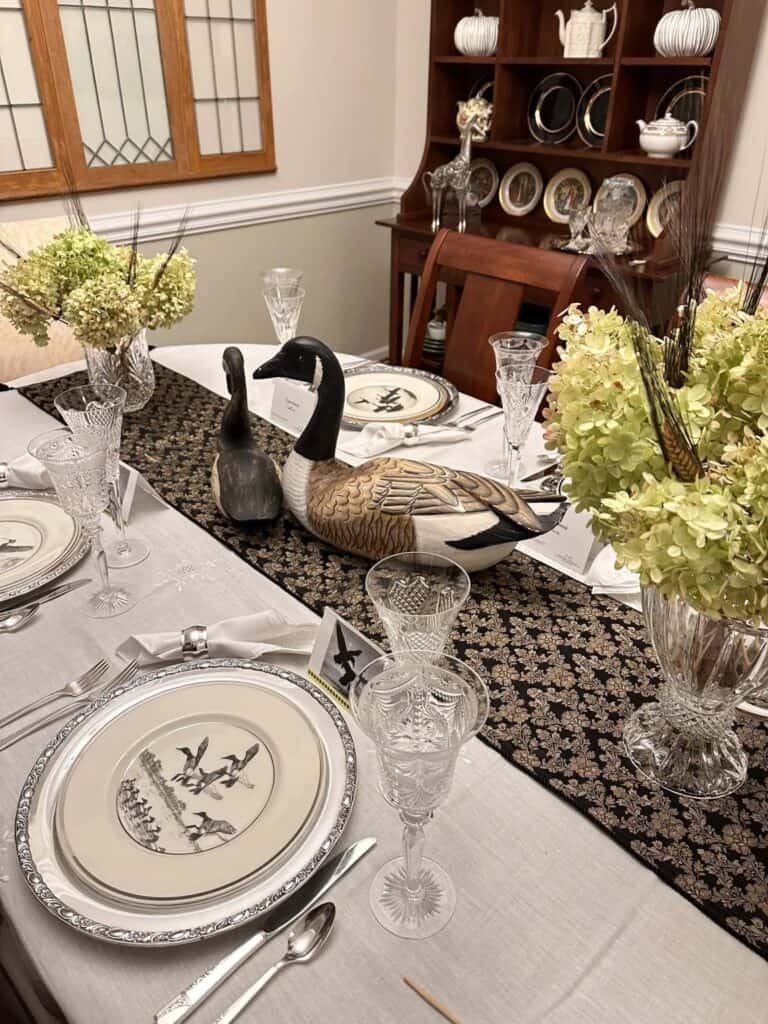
(23, 134)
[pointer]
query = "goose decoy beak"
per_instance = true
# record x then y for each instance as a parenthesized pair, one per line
(296, 360)
(274, 367)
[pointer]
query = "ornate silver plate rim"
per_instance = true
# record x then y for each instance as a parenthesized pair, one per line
(142, 937)
(77, 550)
(411, 371)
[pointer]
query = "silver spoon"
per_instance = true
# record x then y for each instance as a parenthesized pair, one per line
(15, 620)
(304, 941)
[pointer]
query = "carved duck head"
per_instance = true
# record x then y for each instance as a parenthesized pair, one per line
(311, 362)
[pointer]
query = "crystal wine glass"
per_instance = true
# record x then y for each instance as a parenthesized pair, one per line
(77, 465)
(97, 411)
(419, 715)
(519, 351)
(285, 311)
(417, 596)
(287, 279)
(520, 400)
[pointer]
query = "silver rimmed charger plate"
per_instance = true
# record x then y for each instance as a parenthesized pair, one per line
(395, 394)
(91, 910)
(54, 542)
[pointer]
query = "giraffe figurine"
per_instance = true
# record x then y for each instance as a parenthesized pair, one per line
(474, 122)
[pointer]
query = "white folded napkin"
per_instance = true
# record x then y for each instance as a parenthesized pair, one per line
(28, 473)
(376, 438)
(249, 636)
(605, 578)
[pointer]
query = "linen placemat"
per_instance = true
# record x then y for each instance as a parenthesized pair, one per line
(565, 668)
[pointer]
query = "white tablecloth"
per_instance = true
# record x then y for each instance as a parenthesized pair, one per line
(555, 922)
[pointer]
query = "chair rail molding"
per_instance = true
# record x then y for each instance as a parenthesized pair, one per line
(244, 211)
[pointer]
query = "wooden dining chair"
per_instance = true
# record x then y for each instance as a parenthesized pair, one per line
(491, 281)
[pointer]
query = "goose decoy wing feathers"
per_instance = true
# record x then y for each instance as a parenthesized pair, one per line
(404, 487)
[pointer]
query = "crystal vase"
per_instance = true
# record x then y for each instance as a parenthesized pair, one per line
(128, 365)
(685, 741)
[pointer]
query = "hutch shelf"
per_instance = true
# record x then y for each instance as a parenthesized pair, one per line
(529, 49)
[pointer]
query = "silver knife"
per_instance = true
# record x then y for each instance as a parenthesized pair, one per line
(269, 924)
(49, 595)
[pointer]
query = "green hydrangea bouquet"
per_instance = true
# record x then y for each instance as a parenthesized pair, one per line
(105, 292)
(703, 537)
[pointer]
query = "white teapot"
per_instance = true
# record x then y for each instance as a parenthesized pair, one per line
(585, 33)
(667, 137)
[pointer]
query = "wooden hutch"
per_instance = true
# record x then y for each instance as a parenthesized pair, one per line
(528, 50)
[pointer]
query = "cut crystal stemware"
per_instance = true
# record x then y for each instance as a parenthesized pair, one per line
(520, 399)
(516, 353)
(285, 310)
(417, 596)
(78, 468)
(287, 279)
(97, 411)
(419, 715)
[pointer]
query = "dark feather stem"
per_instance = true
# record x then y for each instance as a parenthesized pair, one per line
(33, 304)
(172, 248)
(73, 204)
(133, 260)
(9, 248)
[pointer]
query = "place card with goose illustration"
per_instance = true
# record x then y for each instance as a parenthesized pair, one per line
(292, 405)
(340, 653)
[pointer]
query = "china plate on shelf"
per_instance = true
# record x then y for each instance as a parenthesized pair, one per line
(521, 189)
(552, 108)
(187, 803)
(395, 394)
(483, 181)
(568, 190)
(663, 206)
(39, 542)
(592, 114)
(638, 190)
(685, 99)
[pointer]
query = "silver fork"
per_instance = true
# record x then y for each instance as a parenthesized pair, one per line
(458, 420)
(124, 676)
(77, 688)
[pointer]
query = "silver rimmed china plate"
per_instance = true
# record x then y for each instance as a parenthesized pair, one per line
(39, 542)
(395, 394)
(186, 803)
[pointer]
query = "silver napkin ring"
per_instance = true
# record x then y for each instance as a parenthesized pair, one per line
(194, 641)
(4, 472)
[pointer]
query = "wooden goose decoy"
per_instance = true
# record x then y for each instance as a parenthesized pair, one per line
(388, 505)
(245, 482)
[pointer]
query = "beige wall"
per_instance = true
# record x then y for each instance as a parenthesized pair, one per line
(346, 269)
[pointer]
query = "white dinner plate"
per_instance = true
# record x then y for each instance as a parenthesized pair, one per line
(395, 394)
(232, 892)
(158, 829)
(39, 542)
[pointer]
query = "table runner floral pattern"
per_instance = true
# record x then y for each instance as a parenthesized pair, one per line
(565, 668)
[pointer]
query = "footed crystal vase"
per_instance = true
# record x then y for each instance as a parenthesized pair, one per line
(686, 741)
(127, 365)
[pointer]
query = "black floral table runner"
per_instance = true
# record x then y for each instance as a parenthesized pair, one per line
(565, 668)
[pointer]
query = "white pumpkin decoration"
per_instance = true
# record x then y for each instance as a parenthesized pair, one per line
(691, 32)
(477, 36)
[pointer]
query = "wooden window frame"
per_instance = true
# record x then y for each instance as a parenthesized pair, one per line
(57, 97)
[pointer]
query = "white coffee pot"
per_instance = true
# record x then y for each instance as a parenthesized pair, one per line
(667, 137)
(584, 35)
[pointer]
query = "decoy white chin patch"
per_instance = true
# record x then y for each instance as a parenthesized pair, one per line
(318, 377)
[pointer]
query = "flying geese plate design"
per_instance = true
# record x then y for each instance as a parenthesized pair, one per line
(187, 803)
(395, 394)
(39, 542)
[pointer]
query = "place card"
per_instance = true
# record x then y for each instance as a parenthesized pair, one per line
(340, 654)
(292, 405)
(570, 547)
(131, 481)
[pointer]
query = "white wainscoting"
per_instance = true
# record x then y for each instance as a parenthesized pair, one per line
(736, 240)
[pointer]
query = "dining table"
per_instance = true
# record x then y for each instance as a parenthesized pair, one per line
(555, 921)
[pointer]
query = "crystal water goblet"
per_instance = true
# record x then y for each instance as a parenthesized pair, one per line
(285, 311)
(521, 400)
(578, 220)
(418, 597)
(287, 279)
(418, 715)
(519, 351)
(77, 465)
(97, 411)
